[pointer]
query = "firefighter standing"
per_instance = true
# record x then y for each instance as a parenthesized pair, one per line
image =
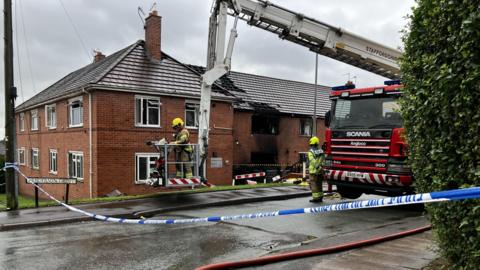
(315, 161)
(183, 152)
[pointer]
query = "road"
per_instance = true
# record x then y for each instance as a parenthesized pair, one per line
(97, 245)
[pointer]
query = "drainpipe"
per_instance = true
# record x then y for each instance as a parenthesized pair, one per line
(90, 142)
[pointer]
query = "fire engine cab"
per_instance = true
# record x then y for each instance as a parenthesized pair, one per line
(364, 143)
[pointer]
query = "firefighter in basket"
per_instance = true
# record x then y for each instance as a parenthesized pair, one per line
(183, 151)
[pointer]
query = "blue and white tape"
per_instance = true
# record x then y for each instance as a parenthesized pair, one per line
(439, 196)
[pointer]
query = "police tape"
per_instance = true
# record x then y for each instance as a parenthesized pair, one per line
(437, 196)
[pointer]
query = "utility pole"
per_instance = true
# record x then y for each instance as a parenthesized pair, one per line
(10, 95)
(314, 116)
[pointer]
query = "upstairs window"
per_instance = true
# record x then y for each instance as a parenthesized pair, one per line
(192, 110)
(51, 116)
(306, 126)
(147, 111)
(21, 119)
(35, 159)
(34, 118)
(75, 112)
(264, 125)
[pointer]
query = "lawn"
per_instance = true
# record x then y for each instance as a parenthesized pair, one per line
(26, 202)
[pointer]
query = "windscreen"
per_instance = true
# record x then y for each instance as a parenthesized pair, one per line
(366, 113)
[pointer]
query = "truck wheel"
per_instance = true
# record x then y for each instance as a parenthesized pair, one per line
(349, 193)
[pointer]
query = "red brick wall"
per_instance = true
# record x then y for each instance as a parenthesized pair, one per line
(116, 140)
(287, 144)
(119, 139)
(62, 139)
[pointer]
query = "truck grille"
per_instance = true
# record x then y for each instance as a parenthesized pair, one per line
(364, 154)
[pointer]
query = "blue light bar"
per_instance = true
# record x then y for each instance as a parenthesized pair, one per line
(343, 87)
(393, 82)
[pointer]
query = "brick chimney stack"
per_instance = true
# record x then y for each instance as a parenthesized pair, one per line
(153, 35)
(98, 56)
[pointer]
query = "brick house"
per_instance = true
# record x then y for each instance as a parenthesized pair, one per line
(93, 123)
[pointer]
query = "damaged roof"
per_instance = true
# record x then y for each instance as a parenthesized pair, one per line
(130, 69)
(270, 95)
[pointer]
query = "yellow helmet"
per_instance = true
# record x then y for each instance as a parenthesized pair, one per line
(177, 122)
(314, 140)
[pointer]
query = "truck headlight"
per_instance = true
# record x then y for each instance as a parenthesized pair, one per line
(398, 168)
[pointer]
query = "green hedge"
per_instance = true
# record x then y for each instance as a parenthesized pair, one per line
(441, 108)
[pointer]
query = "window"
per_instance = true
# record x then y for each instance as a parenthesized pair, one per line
(264, 125)
(51, 116)
(21, 156)
(366, 113)
(191, 114)
(75, 112)
(144, 163)
(306, 126)
(21, 124)
(52, 163)
(34, 118)
(147, 111)
(35, 159)
(75, 165)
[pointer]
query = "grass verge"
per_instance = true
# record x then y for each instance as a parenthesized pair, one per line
(27, 202)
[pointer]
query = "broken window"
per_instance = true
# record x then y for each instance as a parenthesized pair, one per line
(147, 111)
(144, 164)
(264, 124)
(75, 112)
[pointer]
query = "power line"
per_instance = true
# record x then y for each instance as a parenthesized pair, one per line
(27, 48)
(75, 29)
(18, 53)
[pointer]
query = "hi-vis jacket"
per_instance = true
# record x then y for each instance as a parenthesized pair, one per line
(315, 161)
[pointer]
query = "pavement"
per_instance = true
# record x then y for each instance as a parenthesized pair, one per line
(380, 256)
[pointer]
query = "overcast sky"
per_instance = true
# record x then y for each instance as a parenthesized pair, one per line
(49, 46)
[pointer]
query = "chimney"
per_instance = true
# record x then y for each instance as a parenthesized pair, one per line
(98, 56)
(153, 35)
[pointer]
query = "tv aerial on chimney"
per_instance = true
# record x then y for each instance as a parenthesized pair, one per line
(142, 13)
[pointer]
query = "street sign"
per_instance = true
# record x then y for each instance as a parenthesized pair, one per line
(35, 180)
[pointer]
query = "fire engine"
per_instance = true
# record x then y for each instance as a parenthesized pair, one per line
(364, 143)
(365, 148)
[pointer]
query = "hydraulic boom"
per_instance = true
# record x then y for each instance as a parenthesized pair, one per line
(318, 36)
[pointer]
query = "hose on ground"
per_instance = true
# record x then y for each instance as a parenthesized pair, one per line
(312, 252)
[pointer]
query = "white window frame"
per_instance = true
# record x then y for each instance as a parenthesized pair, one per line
(311, 127)
(51, 118)
(35, 152)
(21, 149)
(21, 120)
(77, 155)
(137, 171)
(196, 111)
(71, 102)
(139, 122)
(53, 160)
(34, 119)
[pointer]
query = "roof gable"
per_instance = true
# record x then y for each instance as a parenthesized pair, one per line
(129, 69)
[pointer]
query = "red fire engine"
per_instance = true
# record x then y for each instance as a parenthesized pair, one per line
(364, 143)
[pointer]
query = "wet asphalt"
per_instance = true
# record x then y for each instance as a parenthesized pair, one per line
(99, 245)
